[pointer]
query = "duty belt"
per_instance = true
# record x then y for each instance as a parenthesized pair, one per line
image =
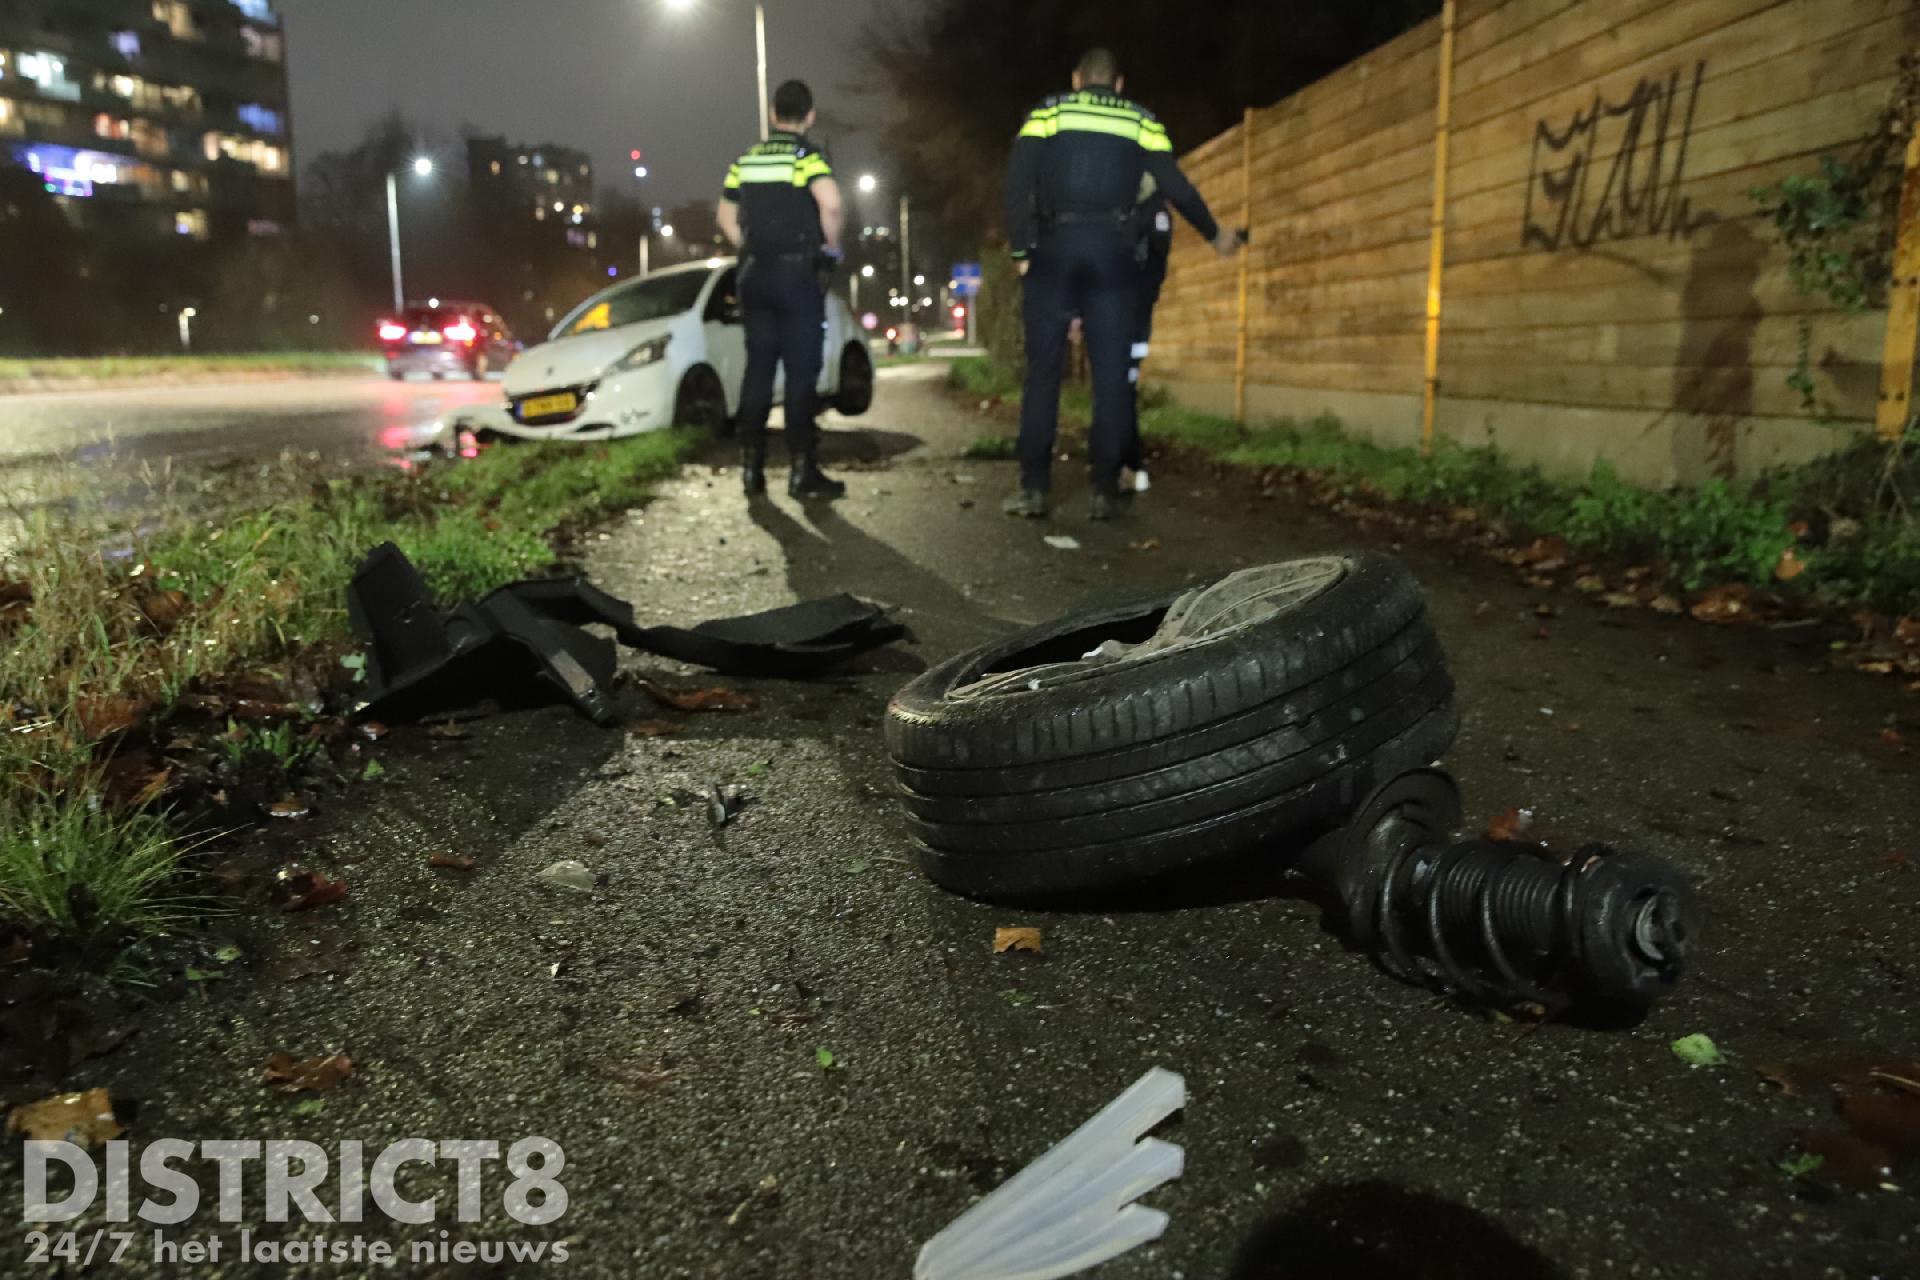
(1088, 217)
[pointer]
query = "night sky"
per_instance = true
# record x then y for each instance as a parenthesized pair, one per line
(604, 75)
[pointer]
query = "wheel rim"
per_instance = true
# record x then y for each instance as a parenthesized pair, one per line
(856, 378)
(705, 404)
(1238, 601)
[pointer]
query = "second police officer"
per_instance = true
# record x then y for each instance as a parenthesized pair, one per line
(1072, 187)
(781, 207)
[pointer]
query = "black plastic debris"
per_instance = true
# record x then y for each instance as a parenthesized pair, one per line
(527, 639)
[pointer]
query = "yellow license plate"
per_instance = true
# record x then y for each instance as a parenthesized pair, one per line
(548, 406)
(426, 338)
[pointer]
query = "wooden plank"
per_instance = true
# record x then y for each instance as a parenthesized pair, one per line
(1789, 79)
(1729, 149)
(1485, 24)
(1737, 392)
(1550, 83)
(1743, 338)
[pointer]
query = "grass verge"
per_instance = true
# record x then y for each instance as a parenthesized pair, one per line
(140, 368)
(1842, 532)
(95, 646)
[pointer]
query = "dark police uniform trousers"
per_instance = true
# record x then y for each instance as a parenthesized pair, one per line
(1153, 224)
(1072, 187)
(781, 295)
(786, 317)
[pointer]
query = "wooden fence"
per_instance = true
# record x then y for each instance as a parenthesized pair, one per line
(1588, 276)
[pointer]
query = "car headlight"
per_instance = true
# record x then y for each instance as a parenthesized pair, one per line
(653, 351)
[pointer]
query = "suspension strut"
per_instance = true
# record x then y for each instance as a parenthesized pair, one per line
(1499, 922)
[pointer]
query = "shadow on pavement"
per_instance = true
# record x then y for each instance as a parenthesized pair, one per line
(1375, 1230)
(830, 554)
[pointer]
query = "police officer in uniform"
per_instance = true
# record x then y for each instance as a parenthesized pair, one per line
(1072, 186)
(782, 208)
(1153, 227)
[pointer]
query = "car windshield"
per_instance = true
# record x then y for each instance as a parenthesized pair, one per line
(654, 298)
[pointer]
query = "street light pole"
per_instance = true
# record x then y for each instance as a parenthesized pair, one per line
(760, 45)
(906, 256)
(422, 166)
(393, 238)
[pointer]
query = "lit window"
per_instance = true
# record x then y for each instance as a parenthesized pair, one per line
(122, 85)
(258, 10)
(496, 168)
(49, 71)
(540, 214)
(593, 240)
(191, 222)
(585, 170)
(265, 45)
(117, 128)
(177, 17)
(125, 43)
(181, 180)
(553, 177)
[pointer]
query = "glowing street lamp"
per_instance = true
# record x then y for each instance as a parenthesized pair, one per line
(422, 167)
(760, 49)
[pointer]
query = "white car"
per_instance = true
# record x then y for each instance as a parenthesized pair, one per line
(667, 349)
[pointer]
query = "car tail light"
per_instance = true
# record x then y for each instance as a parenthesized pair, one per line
(461, 331)
(391, 332)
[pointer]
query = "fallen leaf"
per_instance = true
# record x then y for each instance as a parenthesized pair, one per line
(1846, 1160)
(1019, 939)
(452, 862)
(288, 807)
(1790, 567)
(1542, 552)
(105, 717)
(1591, 584)
(1511, 825)
(298, 889)
(1145, 544)
(1697, 1051)
(1723, 604)
(1617, 600)
(1804, 1076)
(164, 609)
(656, 728)
(314, 1075)
(1545, 610)
(448, 732)
(372, 730)
(1907, 631)
(699, 699)
(1890, 1121)
(84, 1119)
(1665, 603)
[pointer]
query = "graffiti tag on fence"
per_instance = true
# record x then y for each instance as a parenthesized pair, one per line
(1615, 171)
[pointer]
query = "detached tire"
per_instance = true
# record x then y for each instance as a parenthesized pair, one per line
(1027, 772)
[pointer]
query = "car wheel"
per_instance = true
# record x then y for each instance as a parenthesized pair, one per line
(1030, 771)
(398, 375)
(855, 394)
(701, 403)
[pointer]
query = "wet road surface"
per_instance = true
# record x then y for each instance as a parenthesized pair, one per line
(356, 419)
(665, 1029)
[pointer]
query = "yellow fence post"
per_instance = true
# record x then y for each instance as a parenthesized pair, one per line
(1246, 268)
(1903, 306)
(1436, 261)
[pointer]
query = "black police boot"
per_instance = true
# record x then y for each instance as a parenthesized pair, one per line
(753, 469)
(1106, 505)
(805, 479)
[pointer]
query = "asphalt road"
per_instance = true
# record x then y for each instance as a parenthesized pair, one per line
(667, 1030)
(354, 419)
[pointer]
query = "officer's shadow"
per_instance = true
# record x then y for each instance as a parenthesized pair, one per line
(829, 554)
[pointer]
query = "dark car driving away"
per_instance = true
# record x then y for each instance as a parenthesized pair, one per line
(441, 337)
